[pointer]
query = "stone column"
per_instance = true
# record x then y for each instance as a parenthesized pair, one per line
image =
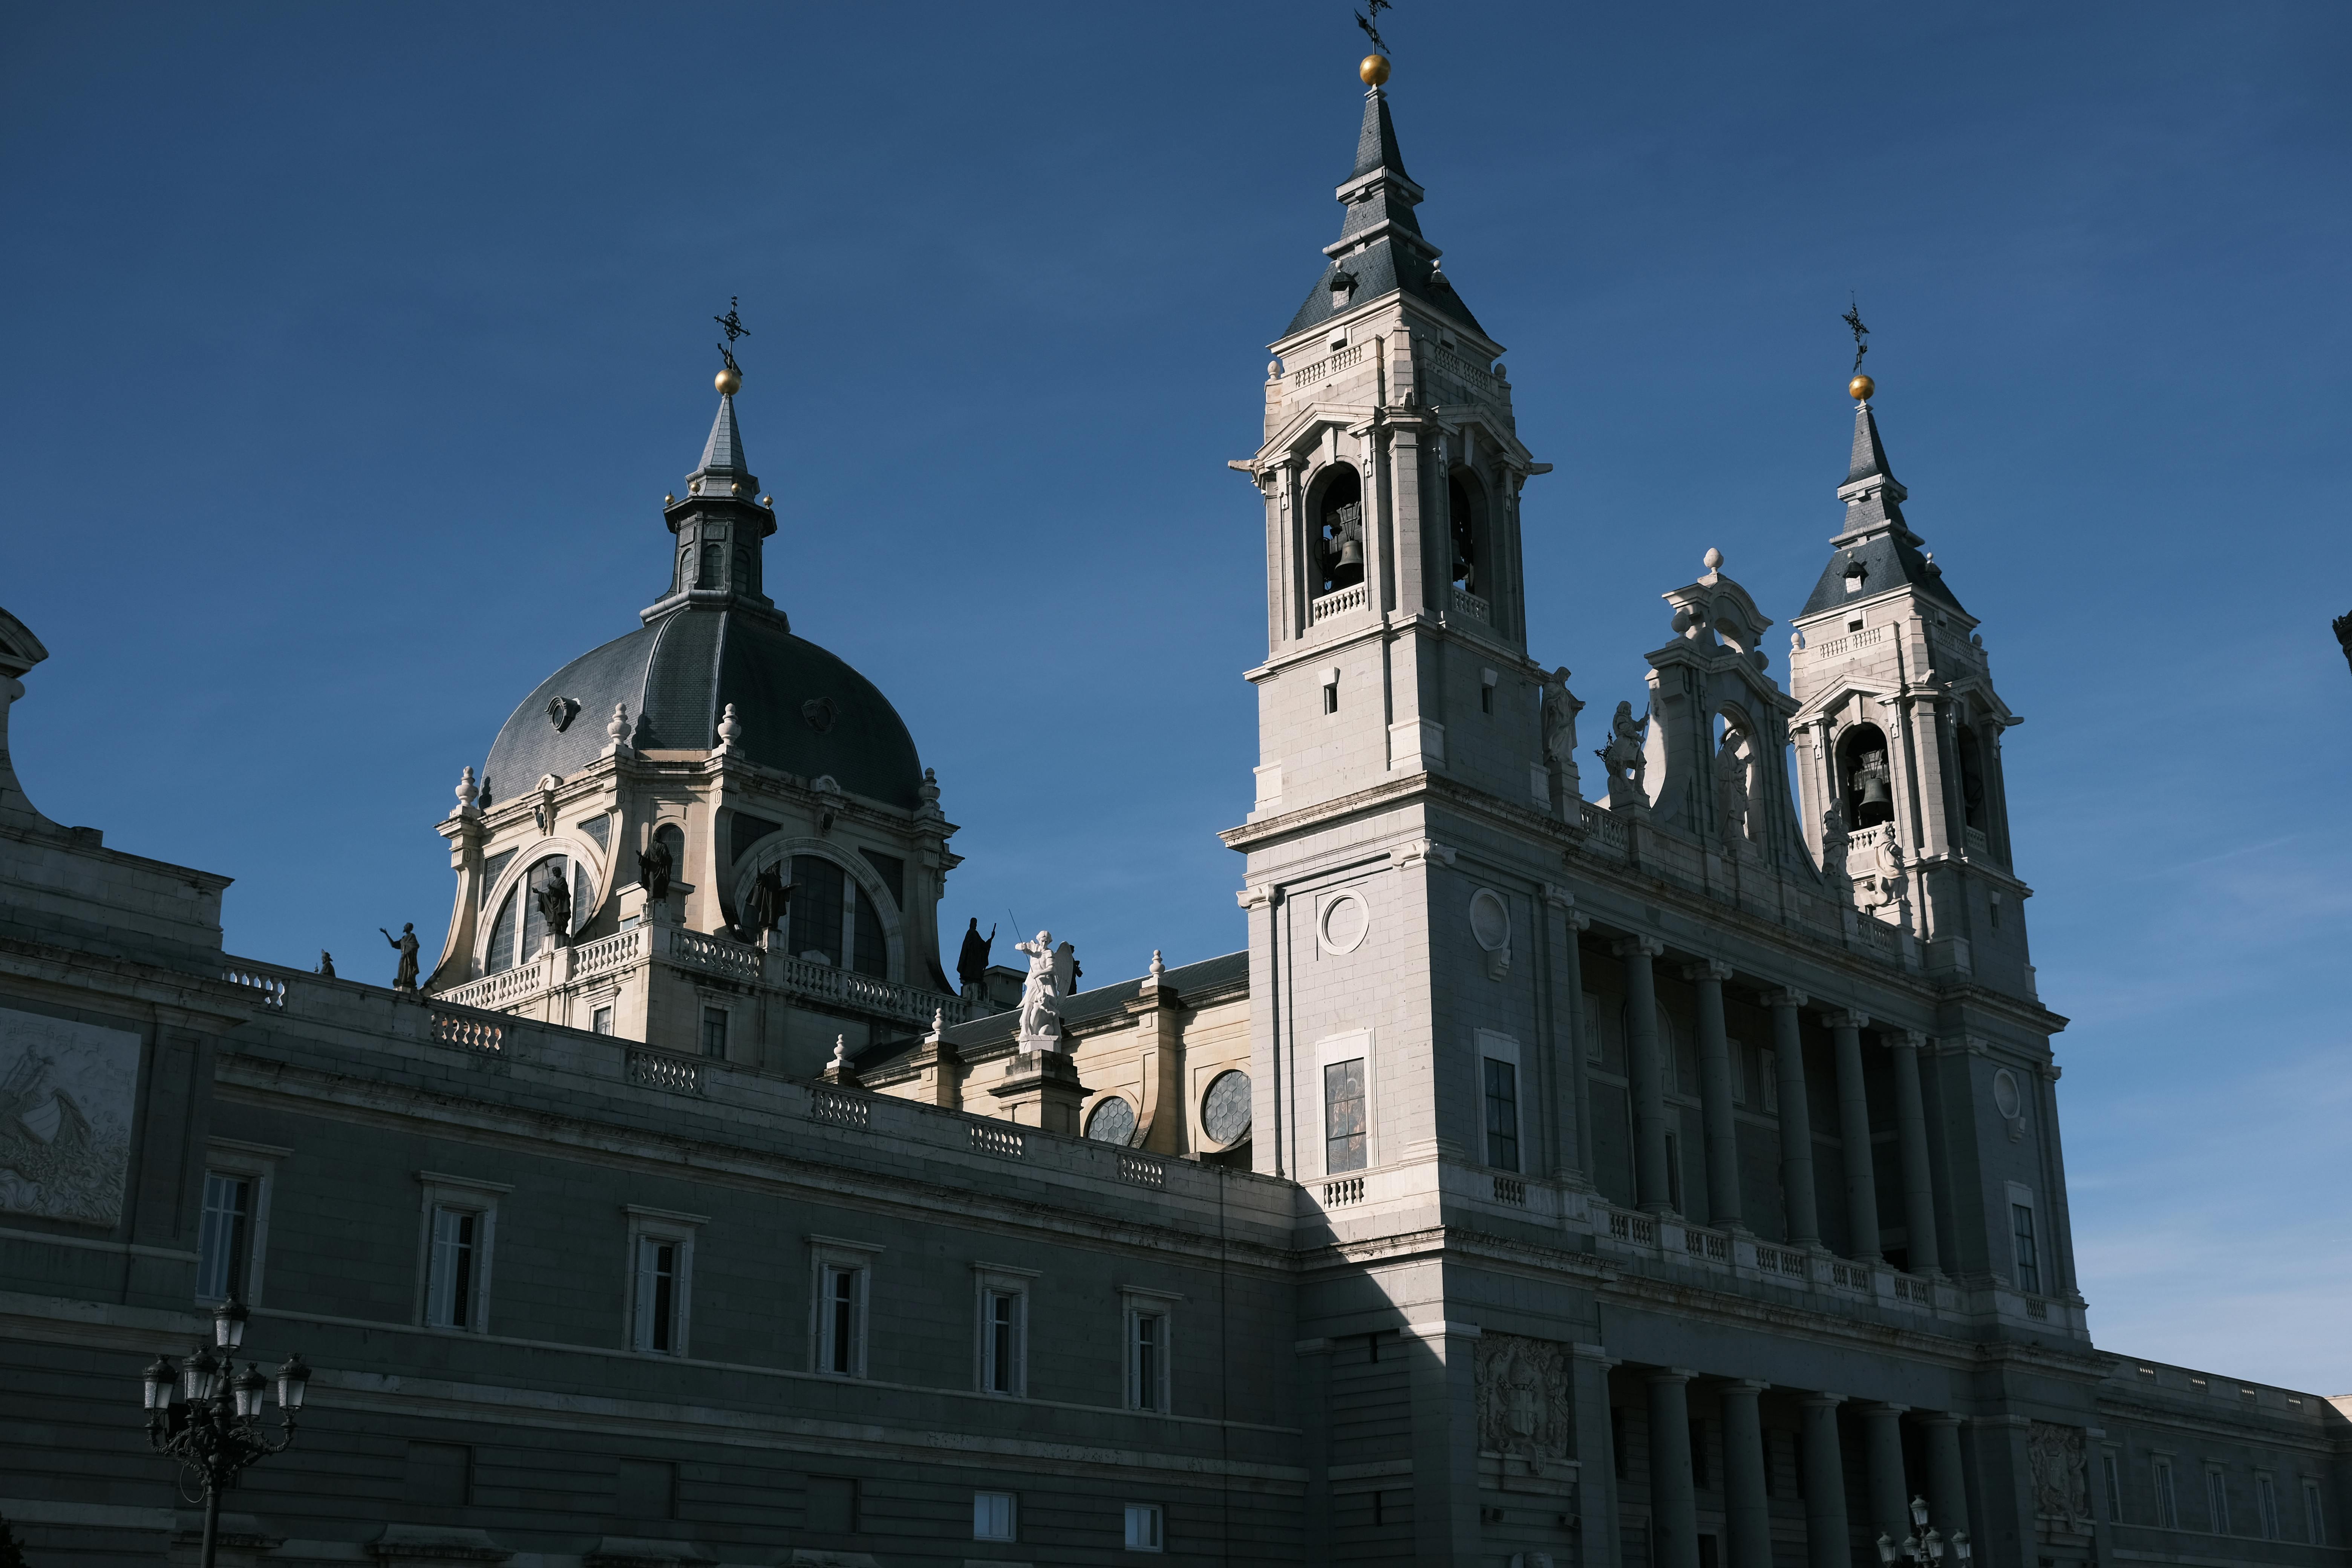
(1853, 1132)
(1796, 1118)
(1445, 1392)
(1315, 1448)
(1723, 1206)
(1674, 1495)
(1747, 1511)
(1571, 1123)
(1827, 1541)
(1890, 1495)
(1596, 1456)
(1918, 1185)
(1648, 1072)
(1948, 1491)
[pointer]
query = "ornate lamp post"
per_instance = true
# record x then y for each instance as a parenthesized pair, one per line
(207, 1415)
(1923, 1546)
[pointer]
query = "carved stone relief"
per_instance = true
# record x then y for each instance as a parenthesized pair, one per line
(1523, 1397)
(2061, 1490)
(66, 1093)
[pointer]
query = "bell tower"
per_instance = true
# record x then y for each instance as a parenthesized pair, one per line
(1897, 736)
(1396, 625)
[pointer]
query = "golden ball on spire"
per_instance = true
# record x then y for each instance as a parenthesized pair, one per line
(1374, 71)
(729, 380)
(1860, 387)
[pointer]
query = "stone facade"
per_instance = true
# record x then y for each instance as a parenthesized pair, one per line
(1668, 1177)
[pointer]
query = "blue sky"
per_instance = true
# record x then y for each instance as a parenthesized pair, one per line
(351, 347)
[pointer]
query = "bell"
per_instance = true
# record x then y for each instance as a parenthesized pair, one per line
(1874, 792)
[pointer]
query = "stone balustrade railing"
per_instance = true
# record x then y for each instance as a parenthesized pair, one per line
(826, 983)
(1324, 369)
(714, 954)
(1469, 603)
(1353, 597)
(608, 953)
(492, 992)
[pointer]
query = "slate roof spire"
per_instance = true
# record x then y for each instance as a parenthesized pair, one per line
(1876, 546)
(722, 454)
(1381, 249)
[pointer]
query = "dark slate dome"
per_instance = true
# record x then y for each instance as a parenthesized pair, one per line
(803, 709)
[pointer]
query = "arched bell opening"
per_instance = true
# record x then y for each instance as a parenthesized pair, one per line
(1335, 542)
(1974, 808)
(1865, 780)
(1472, 569)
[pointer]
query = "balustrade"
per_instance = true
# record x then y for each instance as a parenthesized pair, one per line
(470, 1034)
(716, 954)
(493, 992)
(995, 1138)
(1324, 369)
(1468, 604)
(664, 1071)
(842, 1107)
(1142, 1169)
(1353, 597)
(270, 991)
(1342, 1192)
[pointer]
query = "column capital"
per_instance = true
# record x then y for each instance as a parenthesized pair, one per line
(1592, 1352)
(1706, 969)
(1820, 1401)
(1848, 1019)
(1940, 1418)
(1746, 1385)
(1254, 898)
(1646, 946)
(2052, 1071)
(1557, 897)
(1882, 1408)
(1905, 1039)
(1577, 920)
(1786, 996)
(1668, 1375)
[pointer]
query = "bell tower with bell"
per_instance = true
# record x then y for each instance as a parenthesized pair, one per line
(1897, 736)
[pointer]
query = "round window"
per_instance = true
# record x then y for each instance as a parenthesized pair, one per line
(1490, 919)
(1225, 1109)
(1112, 1122)
(2005, 1096)
(1346, 918)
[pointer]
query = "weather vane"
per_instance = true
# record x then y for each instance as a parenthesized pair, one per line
(732, 325)
(1369, 24)
(1852, 318)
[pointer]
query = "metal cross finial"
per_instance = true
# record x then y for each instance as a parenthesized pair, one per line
(1852, 318)
(732, 325)
(1369, 24)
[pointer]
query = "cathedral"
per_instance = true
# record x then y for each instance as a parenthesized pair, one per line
(1623, 1143)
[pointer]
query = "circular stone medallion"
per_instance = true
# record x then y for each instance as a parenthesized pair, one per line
(1113, 1122)
(1225, 1109)
(1346, 918)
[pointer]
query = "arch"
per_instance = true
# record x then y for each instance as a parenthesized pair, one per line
(1739, 776)
(1472, 567)
(1334, 547)
(878, 914)
(512, 933)
(1975, 808)
(714, 564)
(1866, 776)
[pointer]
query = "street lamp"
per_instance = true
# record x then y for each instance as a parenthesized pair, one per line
(1924, 1547)
(207, 1415)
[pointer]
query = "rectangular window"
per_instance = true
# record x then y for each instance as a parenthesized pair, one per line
(1343, 1116)
(2267, 1505)
(714, 1033)
(225, 1244)
(844, 1302)
(2168, 1508)
(2111, 1471)
(1145, 1528)
(601, 1021)
(2314, 1524)
(1331, 693)
(1486, 700)
(450, 1268)
(2029, 1263)
(1003, 1333)
(1148, 1351)
(995, 1516)
(2217, 1501)
(1502, 1115)
(658, 1260)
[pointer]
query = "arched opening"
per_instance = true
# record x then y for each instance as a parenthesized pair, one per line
(743, 584)
(714, 563)
(554, 883)
(1972, 778)
(1737, 777)
(1866, 784)
(1466, 506)
(834, 920)
(1337, 545)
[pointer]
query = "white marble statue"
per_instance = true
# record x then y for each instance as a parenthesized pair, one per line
(1040, 1014)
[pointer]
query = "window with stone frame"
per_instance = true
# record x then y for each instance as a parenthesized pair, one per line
(841, 1275)
(834, 920)
(1151, 1320)
(661, 1278)
(458, 1224)
(1000, 1323)
(232, 1219)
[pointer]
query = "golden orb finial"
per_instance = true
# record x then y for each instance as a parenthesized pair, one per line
(1374, 70)
(1860, 387)
(729, 380)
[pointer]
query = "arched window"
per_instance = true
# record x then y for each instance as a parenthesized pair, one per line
(1466, 512)
(743, 584)
(521, 929)
(1337, 546)
(1865, 786)
(833, 920)
(714, 563)
(1972, 784)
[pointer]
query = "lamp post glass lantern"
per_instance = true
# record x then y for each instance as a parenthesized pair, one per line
(207, 1415)
(1923, 1546)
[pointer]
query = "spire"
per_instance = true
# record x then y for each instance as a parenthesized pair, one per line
(1873, 497)
(1381, 249)
(1875, 550)
(1869, 452)
(722, 454)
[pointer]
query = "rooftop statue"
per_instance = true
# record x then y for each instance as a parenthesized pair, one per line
(1041, 1015)
(972, 961)
(404, 979)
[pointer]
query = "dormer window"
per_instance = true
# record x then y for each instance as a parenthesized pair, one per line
(1343, 289)
(1856, 575)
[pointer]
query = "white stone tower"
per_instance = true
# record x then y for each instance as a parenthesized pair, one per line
(1897, 735)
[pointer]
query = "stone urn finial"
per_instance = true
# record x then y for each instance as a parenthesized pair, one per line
(730, 730)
